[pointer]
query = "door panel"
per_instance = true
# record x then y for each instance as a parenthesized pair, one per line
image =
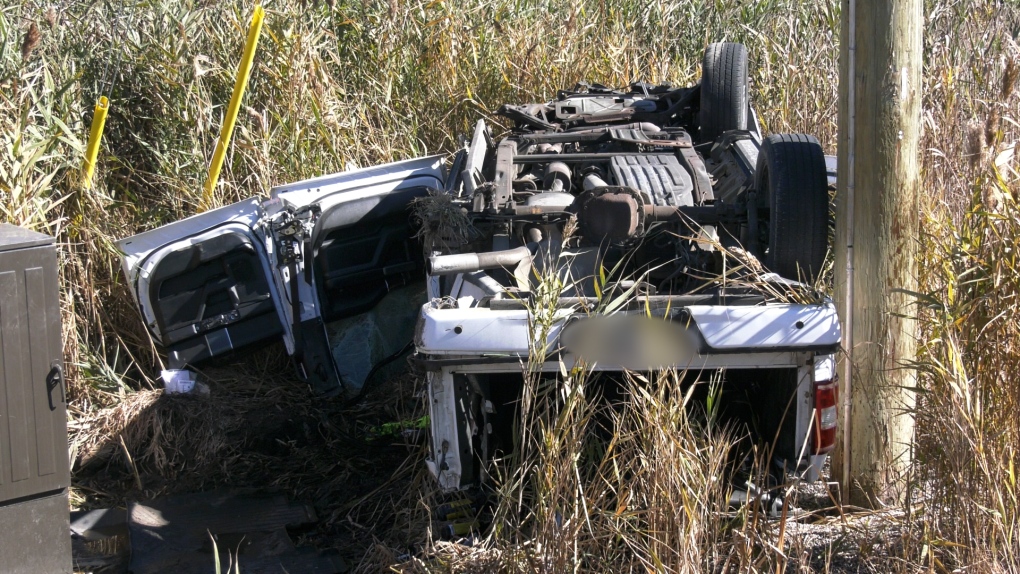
(361, 245)
(204, 283)
(357, 265)
(364, 242)
(33, 419)
(211, 297)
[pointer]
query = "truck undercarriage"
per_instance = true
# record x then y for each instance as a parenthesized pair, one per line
(645, 229)
(651, 228)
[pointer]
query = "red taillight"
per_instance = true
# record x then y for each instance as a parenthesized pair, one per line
(825, 416)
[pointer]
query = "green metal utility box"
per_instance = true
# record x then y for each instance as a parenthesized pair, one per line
(34, 473)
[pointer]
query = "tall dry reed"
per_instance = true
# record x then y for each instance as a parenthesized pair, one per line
(352, 83)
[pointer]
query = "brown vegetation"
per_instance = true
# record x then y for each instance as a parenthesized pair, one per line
(356, 83)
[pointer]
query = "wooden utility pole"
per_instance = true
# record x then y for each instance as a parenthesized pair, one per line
(876, 242)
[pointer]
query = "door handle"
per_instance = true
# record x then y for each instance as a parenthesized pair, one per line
(54, 380)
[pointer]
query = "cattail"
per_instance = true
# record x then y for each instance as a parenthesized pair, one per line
(975, 142)
(571, 21)
(992, 126)
(257, 118)
(31, 41)
(1012, 71)
(991, 198)
(50, 16)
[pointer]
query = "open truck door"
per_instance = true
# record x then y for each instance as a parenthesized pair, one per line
(318, 251)
(204, 284)
(357, 245)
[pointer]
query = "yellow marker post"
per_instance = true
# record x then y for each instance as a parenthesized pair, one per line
(243, 71)
(95, 136)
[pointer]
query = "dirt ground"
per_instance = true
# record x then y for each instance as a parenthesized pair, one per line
(260, 428)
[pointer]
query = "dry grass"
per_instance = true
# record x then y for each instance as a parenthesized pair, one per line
(340, 84)
(968, 406)
(444, 227)
(257, 429)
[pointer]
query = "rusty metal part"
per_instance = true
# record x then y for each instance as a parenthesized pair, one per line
(569, 157)
(506, 172)
(696, 166)
(615, 214)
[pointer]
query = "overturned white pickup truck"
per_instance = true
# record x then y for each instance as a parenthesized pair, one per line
(650, 207)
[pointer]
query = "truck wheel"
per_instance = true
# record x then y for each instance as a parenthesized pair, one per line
(723, 90)
(791, 180)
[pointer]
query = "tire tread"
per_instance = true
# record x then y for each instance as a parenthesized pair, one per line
(791, 173)
(724, 93)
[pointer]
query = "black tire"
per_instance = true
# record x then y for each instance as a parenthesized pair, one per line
(792, 181)
(723, 90)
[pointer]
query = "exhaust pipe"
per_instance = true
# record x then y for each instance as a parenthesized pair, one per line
(517, 260)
